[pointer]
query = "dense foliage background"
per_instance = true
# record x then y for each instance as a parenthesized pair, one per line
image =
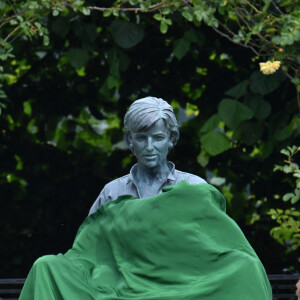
(69, 73)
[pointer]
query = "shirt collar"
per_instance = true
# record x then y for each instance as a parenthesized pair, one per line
(171, 175)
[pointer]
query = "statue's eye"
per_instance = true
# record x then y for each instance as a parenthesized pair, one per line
(159, 137)
(139, 137)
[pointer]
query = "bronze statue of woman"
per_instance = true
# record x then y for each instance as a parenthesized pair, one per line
(151, 131)
(154, 234)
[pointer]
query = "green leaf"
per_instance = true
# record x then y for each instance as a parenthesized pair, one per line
(283, 133)
(27, 108)
(181, 48)
(145, 4)
(278, 168)
(86, 11)
(112, 82)
(295, 123)
(37, 25)
(215, 143)
(46, 40)
(55, 12)
(78, 58)
(261, 108)
(31, 127)
(267, 148)
(107, 13)
(61, 27)
(168, 21)
(265, 84)
(257, 28)
(295, 199)
(238, 90)
(287, 169)
(126, 34)
(203, 158)
(217, 181)
(211, 124)
(13, 22)
(157, 17)
(163, 26)
(194, 36)
(19, 165)
(285, 152)
(187, 15)
(116, 12)
(85, 31)
(250, 132)
(165, 11)
(233, 112)
(292, 149)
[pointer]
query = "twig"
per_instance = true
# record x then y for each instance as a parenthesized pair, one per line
(277, 8)
(2, 18)
(15, 30)
(238, 43)
(252, 6)
(15, 37)
(4, 22)
(288, 75)
(120, 4)
(135, 9)
(298, 98)
(241, 17)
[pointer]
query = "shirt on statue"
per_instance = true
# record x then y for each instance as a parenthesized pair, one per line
(126, 185)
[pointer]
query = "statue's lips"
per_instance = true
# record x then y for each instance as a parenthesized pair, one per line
(150, 156)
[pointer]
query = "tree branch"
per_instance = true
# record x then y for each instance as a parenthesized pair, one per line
(238, 43)
(277, 8)
(151, 8)
(12, 33)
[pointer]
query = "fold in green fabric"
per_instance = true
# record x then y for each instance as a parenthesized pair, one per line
(176, 245)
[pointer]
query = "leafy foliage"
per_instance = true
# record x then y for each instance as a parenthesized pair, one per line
(288, 231)
(268, 28)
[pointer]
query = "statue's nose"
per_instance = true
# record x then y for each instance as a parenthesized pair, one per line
(149, 146)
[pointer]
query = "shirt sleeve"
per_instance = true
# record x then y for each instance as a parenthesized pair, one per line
(99, 201)
(193, 179)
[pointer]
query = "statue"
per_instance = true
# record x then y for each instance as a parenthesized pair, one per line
(156, 233)
(151, 131)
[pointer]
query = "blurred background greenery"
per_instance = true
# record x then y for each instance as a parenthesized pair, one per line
(69, 71)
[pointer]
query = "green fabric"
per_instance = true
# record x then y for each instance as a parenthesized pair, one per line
(176, 245)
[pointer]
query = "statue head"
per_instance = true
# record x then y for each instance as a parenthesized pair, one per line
(150, 115)
(143, 113)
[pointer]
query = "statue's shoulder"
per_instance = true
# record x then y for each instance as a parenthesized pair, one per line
(115, 188)
(117, 183)
(191, 178)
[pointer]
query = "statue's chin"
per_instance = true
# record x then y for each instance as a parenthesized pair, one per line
(150, 165)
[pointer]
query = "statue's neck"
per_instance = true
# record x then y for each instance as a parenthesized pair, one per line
(152, 175)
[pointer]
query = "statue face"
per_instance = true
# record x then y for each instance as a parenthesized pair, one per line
(151, 147)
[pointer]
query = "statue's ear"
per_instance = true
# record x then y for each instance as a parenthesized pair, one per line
(128, 141)
(174, 136)
(171, 144)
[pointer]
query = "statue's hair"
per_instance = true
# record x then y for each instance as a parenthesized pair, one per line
(143, 113)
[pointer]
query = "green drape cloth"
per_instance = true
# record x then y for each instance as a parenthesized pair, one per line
(176, 245)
